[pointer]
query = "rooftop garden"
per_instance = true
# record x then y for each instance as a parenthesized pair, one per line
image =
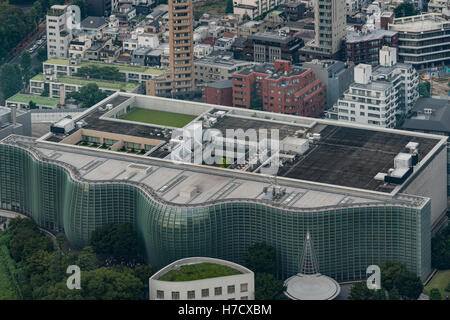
(127, 86)
(121, 67)
(26, 98)
(199, 271)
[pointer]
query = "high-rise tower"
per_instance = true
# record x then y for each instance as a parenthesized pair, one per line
(329, 29)
(181, 46)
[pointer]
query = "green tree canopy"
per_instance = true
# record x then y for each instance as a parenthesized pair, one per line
(359, 291)
(10, 79)
(424, 89)
(440, 250)
(88, 95)
(100, 72)
(405, 9)
(261, 258)
(267, 287)
(117, 243)
(101, 284)
(435, 294)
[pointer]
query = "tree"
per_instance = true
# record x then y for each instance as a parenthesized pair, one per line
(10, 80)
(394, 295)
(267, 287)
(229, 8)
(405, 9)
(409, 285)
(435, 294)
(379, 294)
(83, 8)
(389, 273)
(261, 258)
(424, 89)
(86, 259)
(88, 95)
(117, 243)
(143, 272)
(440, 250)
(41, 55)
(359, 291)
(101, 284)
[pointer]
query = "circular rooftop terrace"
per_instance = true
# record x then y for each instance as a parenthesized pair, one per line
(311, 287)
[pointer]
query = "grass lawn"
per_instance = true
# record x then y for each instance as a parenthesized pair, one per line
(161, 118)
(199, 271)
(215, 7)
(440, 281)
(26, 98)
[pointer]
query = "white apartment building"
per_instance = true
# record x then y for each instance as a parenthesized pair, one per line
(377, 96)
(239, 286)
(254, 8)
(59, 34)
(436, 6)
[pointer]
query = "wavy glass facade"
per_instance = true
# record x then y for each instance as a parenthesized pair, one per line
(346, 239)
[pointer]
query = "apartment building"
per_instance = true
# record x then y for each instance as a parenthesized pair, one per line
(378, 97)
(59, 33)
(212, 69)
(279, 87)
(254, 8)
(329, 29)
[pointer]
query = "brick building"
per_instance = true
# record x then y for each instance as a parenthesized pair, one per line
(218, 92)
(365, 46)
(280, 87)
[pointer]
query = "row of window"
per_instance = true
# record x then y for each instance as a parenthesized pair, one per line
(204, 292)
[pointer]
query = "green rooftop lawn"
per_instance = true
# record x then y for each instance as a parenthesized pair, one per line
(161, 118)
(26, 98)
(199, 271)
(127, 86)
(121, 67)
(38, 77)
(440, 281)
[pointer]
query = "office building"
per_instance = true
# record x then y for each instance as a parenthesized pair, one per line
(364, 46)
(14, 121)
(271, 46)
(365, 194)
(424, 40)
(202, 279)
(217, 68)
(335, 75)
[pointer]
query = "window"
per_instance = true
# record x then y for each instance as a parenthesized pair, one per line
(244, 287)
(205, 293)
(175, 295)
(230, 289)
(244, 298)
(191, 294)
(218, 291)
(159, 294)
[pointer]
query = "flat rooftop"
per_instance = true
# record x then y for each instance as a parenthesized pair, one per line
(337, 169)
(198, 271)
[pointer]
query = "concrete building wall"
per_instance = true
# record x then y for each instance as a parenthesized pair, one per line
(432, 183)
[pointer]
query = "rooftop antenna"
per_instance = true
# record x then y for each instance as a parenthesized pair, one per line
(308, 261)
